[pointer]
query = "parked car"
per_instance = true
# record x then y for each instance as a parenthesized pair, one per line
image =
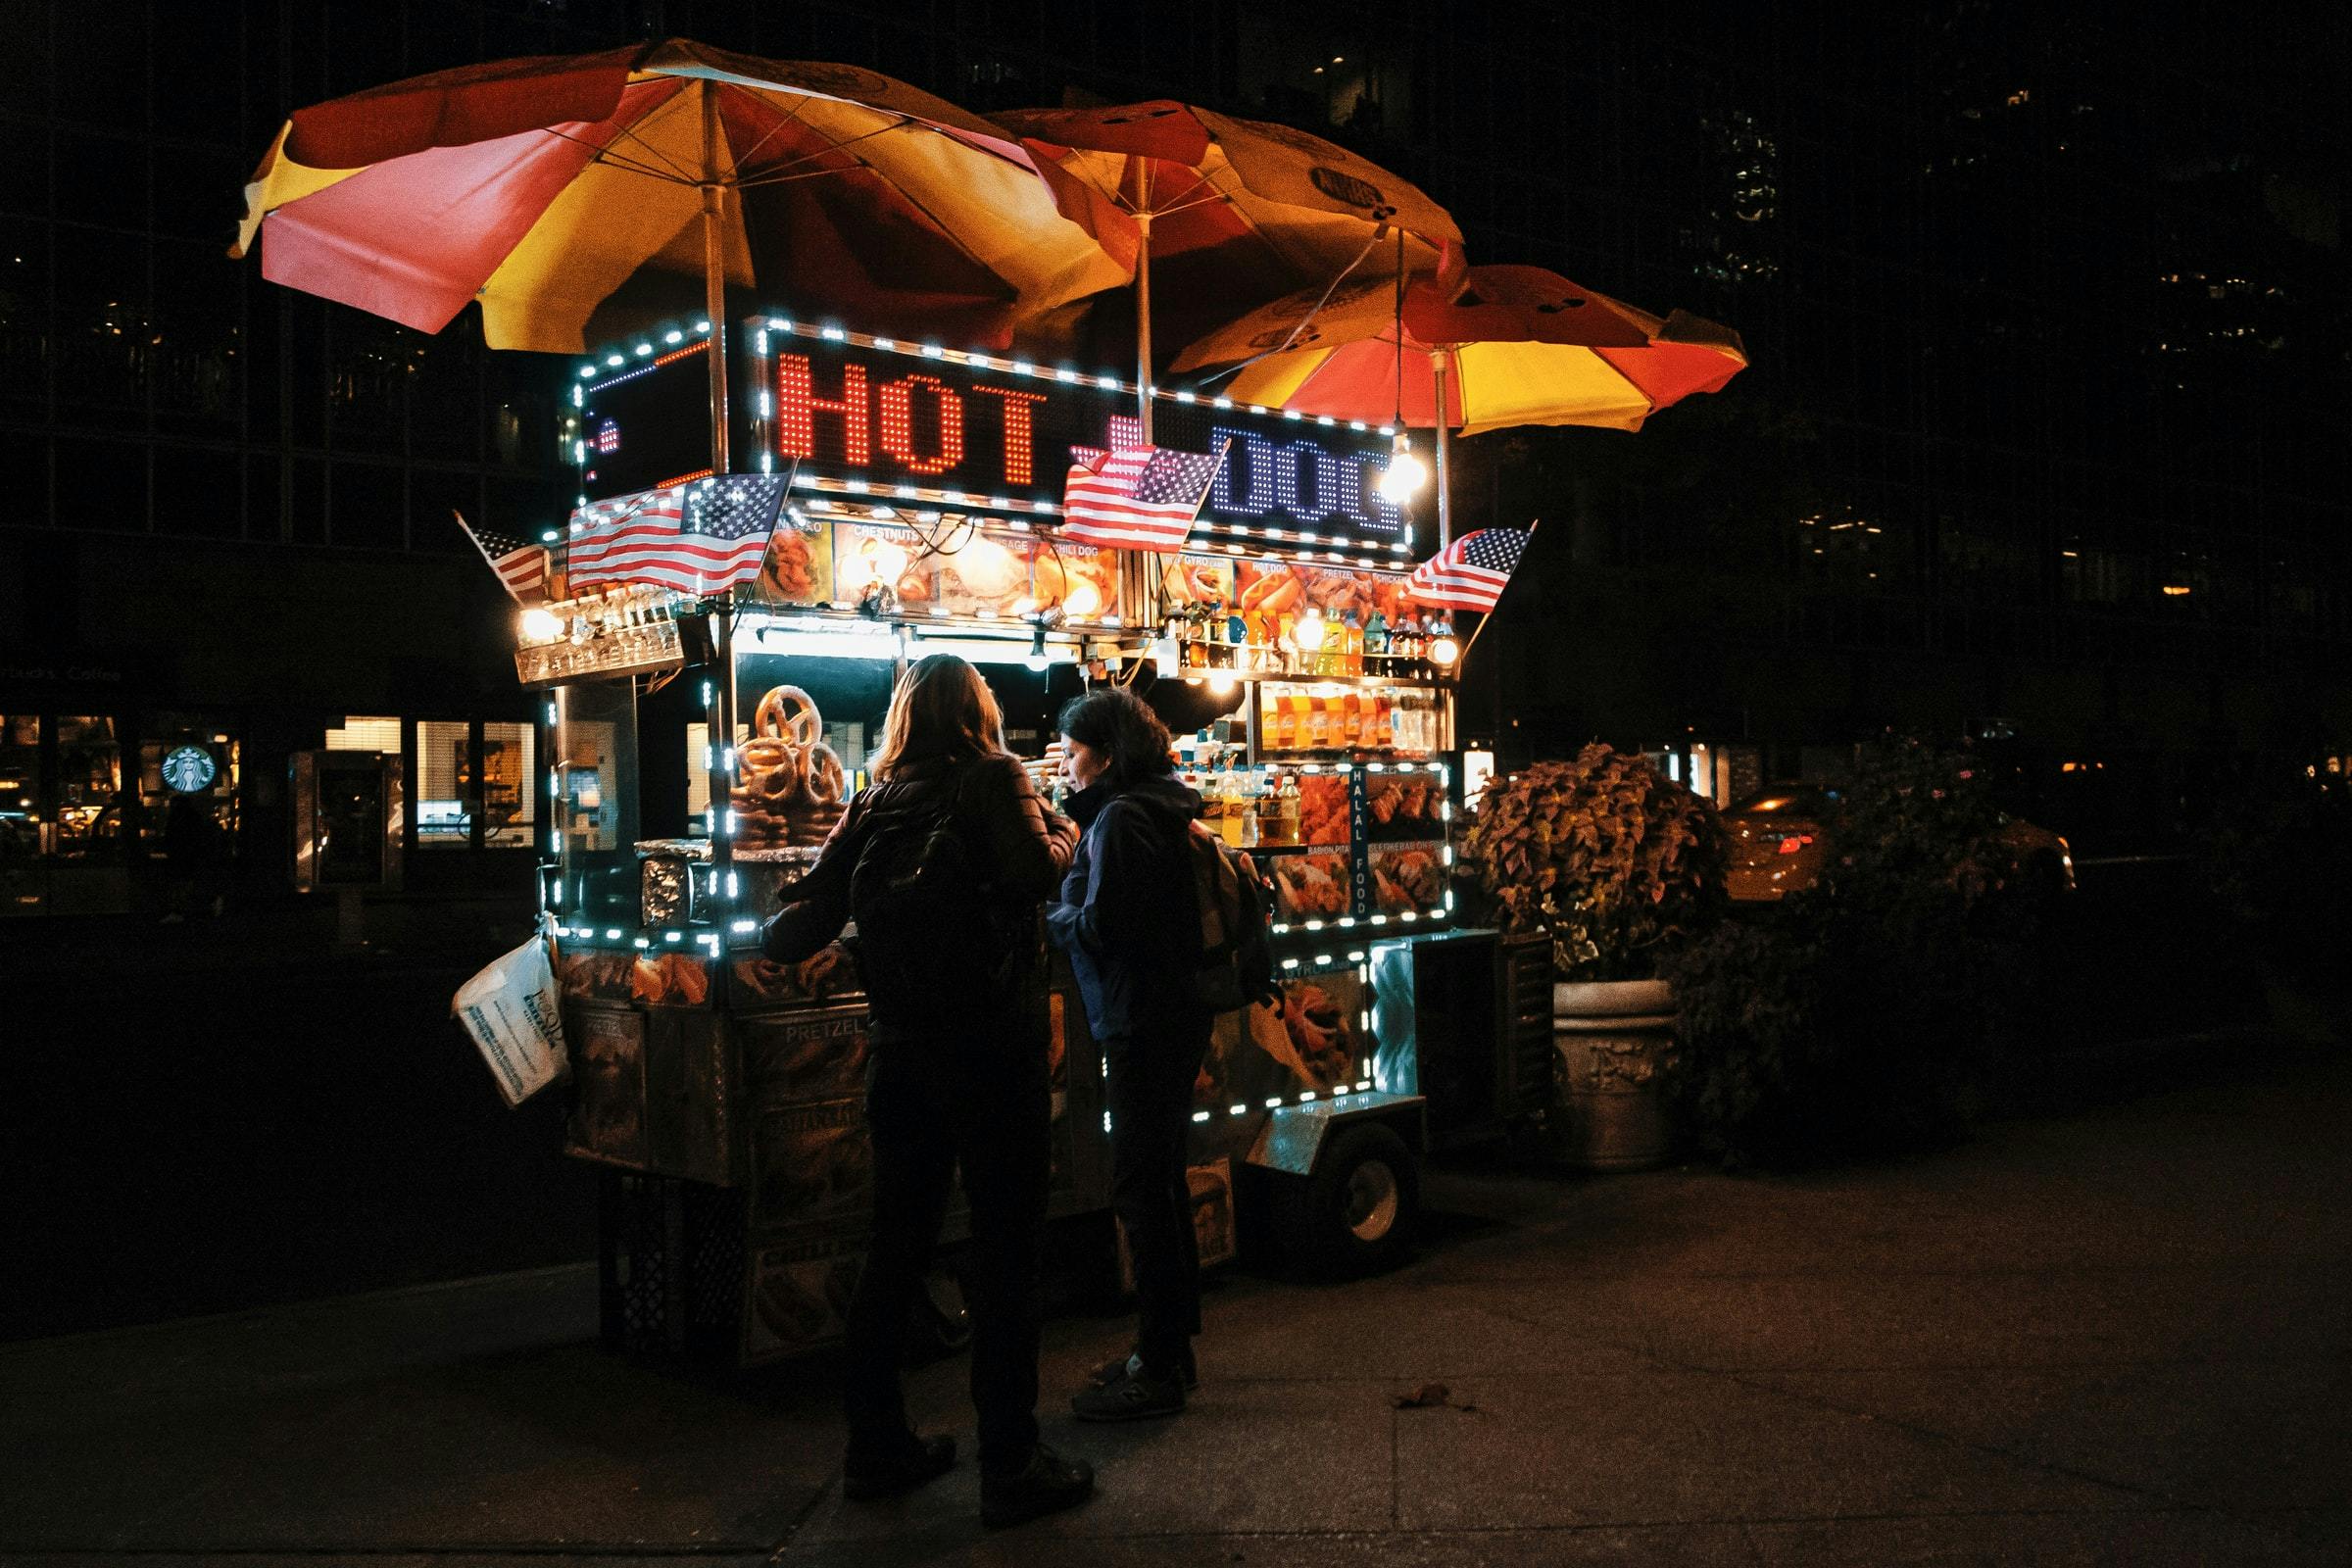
(1780, 844)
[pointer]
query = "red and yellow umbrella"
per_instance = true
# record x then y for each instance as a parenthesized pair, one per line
(1518, 345)
(585, 196)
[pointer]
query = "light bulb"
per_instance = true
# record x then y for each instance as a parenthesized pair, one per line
(1307, 630)
(1036, 663)
(541, 625)
(1083, 600)
(1405, 475)
(1221, 684)
(1444, 652)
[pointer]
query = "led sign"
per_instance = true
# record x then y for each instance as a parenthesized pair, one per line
(882, 420)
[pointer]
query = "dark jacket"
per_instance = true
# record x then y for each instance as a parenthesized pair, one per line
(1126, 917)
(1019, 849)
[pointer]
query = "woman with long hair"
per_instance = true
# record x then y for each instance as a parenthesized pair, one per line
(942, 862)
(1128, 920)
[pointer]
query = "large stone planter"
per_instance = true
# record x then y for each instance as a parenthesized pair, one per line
(1613, 1060)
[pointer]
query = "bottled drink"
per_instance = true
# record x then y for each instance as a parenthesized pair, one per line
(1229, 824)
(1286, 810)
(1376, 644)
(1352, 652)
(1251, 829)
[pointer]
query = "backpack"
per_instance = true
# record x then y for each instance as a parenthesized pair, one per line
(1236, 965)
(935, 947)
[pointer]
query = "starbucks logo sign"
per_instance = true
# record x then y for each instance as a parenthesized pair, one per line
(189, 771)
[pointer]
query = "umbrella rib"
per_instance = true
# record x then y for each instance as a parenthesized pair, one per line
(1200, 178)
(605, 155)
(1293, 335)
(1206, 201)
(677, 168)
(781, 169)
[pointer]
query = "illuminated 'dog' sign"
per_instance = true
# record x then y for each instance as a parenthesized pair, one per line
(870, 416)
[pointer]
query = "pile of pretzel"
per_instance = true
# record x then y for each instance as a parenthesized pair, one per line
(790, 788)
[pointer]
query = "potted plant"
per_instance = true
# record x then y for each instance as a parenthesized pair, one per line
(1619, 868)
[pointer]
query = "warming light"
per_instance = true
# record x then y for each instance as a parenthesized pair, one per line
(1444, 651)
(1405, 475)
(1221, 684)
(1082, 601)
(541, 625)
(1036, 662)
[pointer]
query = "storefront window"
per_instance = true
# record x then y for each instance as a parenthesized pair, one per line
(89, 786)
(509, 802)
(20, 787)
(183, 756)
(444, 773)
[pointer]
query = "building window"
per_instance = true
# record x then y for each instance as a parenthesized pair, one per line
(358, 734)
(507, 795)
(444, 769)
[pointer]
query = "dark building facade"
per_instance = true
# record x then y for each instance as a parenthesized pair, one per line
(2043, 429)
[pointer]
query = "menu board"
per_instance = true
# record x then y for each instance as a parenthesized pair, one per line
(1372, 843)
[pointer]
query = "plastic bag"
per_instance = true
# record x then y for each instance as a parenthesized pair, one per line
(511, 1011)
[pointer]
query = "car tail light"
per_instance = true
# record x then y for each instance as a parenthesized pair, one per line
(1794, 841)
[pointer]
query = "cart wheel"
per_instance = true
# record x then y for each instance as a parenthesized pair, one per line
(1355, 1214)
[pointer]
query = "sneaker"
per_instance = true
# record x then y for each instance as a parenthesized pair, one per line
(1047, 1485)
(1120, 1366)
(1133, 1395)
(925, 1459)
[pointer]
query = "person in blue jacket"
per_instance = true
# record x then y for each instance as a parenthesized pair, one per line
(1128, 920)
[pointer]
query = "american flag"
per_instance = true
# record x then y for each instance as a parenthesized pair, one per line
(520, 564)
(1470, 573)
(1137, 498)
(696, 538)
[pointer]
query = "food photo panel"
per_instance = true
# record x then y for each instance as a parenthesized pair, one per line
(1408, 878)
(1311, 887)
(1403, 807)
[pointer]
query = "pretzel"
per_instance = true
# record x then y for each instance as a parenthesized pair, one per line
(791, 714)
(822, 775)
(763, 752)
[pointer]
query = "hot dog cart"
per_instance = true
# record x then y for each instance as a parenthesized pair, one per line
(699, 752)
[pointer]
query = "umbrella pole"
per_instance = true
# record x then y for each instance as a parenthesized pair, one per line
(1437, 365)
(714, 279)
(1143, 326)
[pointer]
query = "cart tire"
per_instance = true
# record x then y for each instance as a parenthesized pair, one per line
(1356, 1214)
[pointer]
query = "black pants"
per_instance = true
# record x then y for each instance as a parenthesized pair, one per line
(934, 1105)
(1148, 1092)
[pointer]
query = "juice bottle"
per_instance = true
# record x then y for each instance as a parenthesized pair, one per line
(1383, 719)
(1300, 727)
(1235, 807)
(1352, 654)
(1351, 720)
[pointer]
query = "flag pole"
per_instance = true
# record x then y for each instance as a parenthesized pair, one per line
(1481, 627)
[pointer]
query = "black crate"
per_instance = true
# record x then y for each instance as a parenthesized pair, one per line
(670, 1267)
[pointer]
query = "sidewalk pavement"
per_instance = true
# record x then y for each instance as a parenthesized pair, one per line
(2115, 1333)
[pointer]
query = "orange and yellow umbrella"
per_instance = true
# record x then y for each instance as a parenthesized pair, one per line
(1518, 345)
(1215, 213)
(582, 197)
